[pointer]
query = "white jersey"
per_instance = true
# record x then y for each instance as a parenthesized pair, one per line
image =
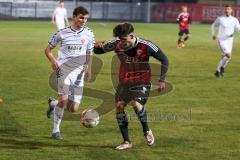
(73, 44)
(227, 26)
(59, 14)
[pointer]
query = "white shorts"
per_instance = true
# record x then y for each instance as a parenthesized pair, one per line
(226, 45)
(70, 82)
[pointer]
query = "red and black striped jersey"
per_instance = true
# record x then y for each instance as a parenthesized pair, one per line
(134, 60)
(184, 19)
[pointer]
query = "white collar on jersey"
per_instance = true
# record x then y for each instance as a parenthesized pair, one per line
(80, 30)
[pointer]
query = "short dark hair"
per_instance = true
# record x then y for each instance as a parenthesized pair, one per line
(80, 10)
(123, 29)
(227, 5)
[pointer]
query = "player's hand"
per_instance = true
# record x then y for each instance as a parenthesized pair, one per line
(214, 37)
(99, 44)
(182, 24)
(88, 75)
(161, 86)
(54, 65)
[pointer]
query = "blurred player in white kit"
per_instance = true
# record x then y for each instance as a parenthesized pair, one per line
(227, 25)
(59, 16)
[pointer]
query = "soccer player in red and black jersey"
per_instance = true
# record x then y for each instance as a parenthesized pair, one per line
(183, 19)
(134, 77)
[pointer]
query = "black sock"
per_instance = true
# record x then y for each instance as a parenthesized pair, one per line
(123, 125)
(142, 116)
(179, 41)
(186, 38)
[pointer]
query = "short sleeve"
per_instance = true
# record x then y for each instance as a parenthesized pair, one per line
(91, 42)
(53, 41)
(216, 23)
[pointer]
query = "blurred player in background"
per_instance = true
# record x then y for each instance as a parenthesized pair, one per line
(59, 16)
(183, 19)
(227, 25)
(134, 77)
(72, 66)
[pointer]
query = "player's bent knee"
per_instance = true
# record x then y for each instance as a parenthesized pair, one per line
(120, 106)
(62, 101)
(72, 106)
(227, 55)
(136, 105)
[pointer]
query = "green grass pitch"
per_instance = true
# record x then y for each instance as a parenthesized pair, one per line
(198, 120)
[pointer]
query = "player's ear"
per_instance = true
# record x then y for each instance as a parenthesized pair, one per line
(131, 36)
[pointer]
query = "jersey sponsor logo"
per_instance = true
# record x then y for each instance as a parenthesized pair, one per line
(127, 58)
(72, 48)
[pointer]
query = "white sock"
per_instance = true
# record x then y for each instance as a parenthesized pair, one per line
(54, 103)
(58, 114)
(225, 60)
(219, 65)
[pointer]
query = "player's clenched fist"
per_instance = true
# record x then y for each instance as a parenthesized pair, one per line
(99, 44)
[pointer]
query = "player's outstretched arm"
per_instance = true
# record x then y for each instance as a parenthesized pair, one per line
(101, 47)
(98, 47)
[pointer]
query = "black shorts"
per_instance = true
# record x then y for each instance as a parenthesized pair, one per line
(182, 32)
(137, 93)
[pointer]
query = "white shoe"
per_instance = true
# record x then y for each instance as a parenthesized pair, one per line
(124, 145)
(149, 137)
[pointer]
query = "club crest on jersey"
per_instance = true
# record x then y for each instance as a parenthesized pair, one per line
(139, 52)
(82, 41)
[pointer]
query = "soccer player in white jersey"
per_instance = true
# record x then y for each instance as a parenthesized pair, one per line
(59, 16)
(227, 25)
(72, 66)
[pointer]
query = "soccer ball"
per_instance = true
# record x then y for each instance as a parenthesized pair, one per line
(90, 118)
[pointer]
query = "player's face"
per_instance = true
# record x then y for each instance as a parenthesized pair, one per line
(228, 11)
(184, 9)
(80, 20)
(128, 40)
(62, 4)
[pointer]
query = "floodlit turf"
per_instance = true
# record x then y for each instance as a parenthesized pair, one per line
(198, 120)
